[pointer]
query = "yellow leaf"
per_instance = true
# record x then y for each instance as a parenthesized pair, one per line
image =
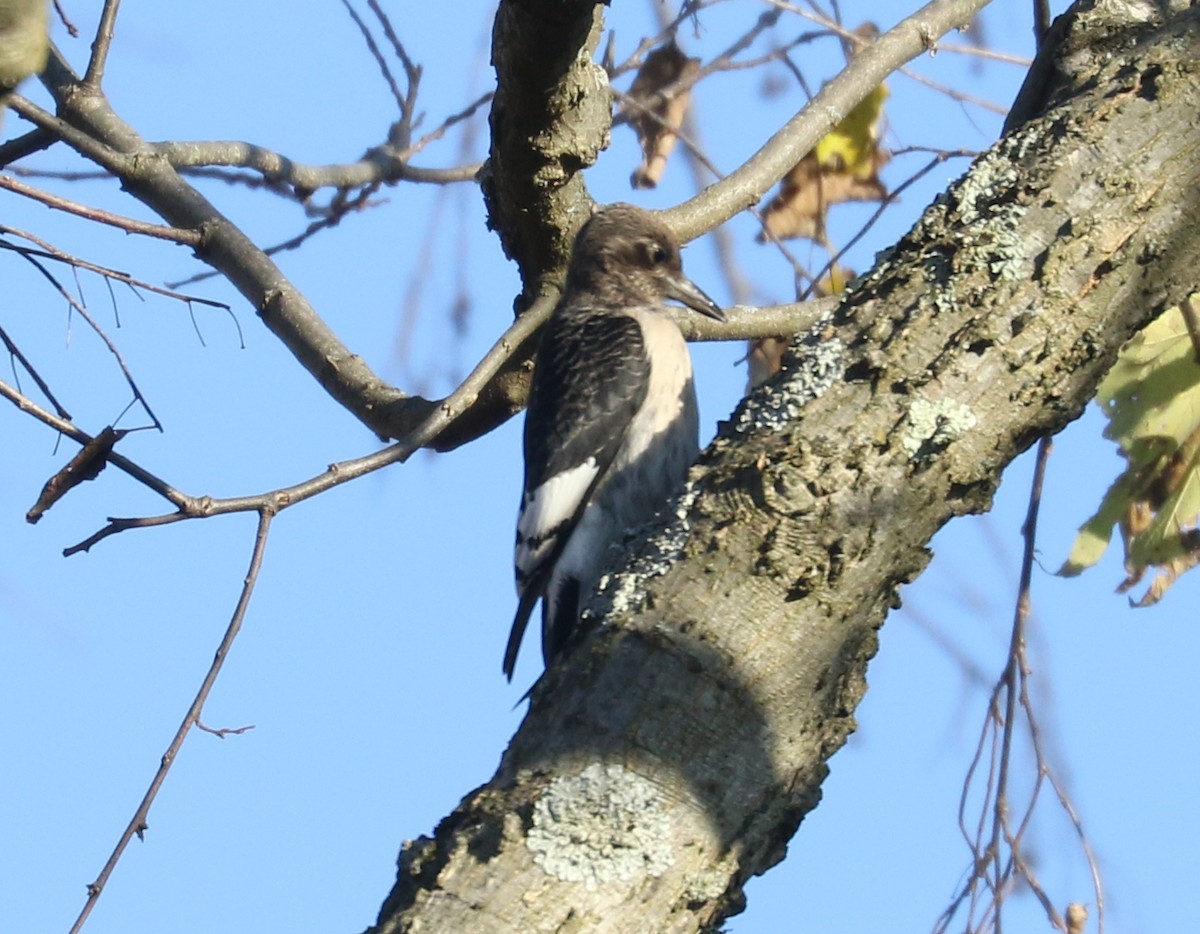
(843, 166)
(852, 145)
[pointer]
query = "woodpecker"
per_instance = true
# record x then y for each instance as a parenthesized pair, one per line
(611, 426)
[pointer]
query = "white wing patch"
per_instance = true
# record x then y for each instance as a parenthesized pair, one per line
(545, 512)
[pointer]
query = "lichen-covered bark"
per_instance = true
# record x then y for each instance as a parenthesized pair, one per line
(674, 752)
(550, 119)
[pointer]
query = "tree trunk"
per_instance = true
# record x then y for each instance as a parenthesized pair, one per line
(674, 751)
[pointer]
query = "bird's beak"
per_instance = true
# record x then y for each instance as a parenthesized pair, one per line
(684, 290)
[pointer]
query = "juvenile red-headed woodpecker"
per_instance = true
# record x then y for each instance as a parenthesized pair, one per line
(611, 427)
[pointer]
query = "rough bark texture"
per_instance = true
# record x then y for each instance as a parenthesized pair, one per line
(674, 752)
(550, 119)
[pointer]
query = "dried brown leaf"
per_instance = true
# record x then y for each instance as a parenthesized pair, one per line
(656, 112)
(806, 193)
(86, 465)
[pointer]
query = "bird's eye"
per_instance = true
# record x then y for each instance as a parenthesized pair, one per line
(656, 253)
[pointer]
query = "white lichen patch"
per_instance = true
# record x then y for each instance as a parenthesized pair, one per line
(992, 215)
(706, 886)
(933, 425)
(656, 553)
(813, 365)
(606, 824)
(992, 173)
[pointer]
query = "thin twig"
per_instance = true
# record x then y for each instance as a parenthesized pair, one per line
(75, 433)
(723, 61)
(72, 29)
(1009, 685)
(954, 93)
(440, 131)
(277, 500)
(1068, 807)
(138, 823)
(79, 308)
(345, 207)
(101, 44)
(751, 181)
(978, 51)
(128, 224)
(998, 859)
(892, 197)
(412, 71)
(49, 251)
(41, 383)
(385, 70)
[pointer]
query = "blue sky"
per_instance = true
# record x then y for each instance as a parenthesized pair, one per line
(370, 660)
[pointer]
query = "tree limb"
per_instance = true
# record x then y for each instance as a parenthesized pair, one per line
(746, 185)
(672, 754)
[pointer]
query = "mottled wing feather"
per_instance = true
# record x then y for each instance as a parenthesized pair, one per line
(589, 381)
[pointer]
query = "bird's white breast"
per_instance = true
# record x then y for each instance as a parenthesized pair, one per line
(670, 398)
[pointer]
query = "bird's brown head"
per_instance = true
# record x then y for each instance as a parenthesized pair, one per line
(627, 256)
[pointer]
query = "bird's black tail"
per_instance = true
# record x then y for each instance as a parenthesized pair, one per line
(520, 621)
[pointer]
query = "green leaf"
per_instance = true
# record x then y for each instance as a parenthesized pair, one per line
(1151, 397)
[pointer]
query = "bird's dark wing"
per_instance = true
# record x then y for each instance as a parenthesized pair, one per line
(589, 380)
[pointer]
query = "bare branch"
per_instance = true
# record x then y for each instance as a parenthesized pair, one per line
(978, 51)
(41, 383)
(382, 164)
(748, 183)
(437, 133)
(342, 206)
(101, 44)
(128, 224)
(138, 823)
(149, 177)
(724, 61)
(35, 140)
(72, 29)
(404, 102)
(78, 307)
(75, 433)
(438, 418)
(954, 93)
(742, 322)
(48, 251)
(998, 859)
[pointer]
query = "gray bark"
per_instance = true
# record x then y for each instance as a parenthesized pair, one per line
(673, 753)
